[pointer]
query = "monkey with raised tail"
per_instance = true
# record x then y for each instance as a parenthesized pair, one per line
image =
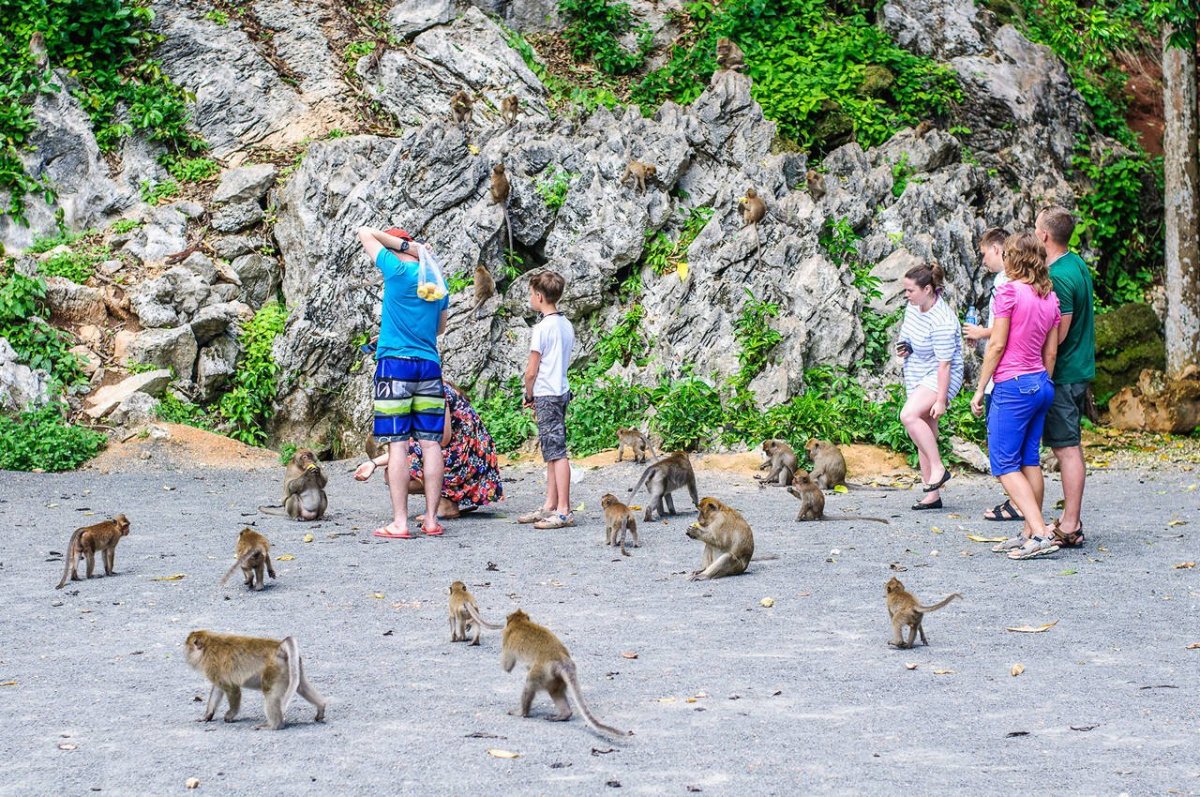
(303, 489)
(723, 530)
(551, 669)
(904, 610)
(617, 521)
(87, 541)
(253, 556)
(781, 459)
(672, 472)
(812, 501)
(463, 612)
(272, 666)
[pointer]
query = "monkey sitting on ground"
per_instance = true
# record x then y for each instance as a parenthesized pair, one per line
(303, 489)
(829, 466)
(550, 668)
(462, 107)
(904, 610)
(672, 472)
(722, 529)
(730, 56)
(271, 666)
(812, 501)
(638, 442)
(781, 459)
(640, 172)
(87, 541)
(618, 518)
(485, 288)
(253, 556)
(510, 106)
(463, 612)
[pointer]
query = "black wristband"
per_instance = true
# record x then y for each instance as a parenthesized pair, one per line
(404, 246)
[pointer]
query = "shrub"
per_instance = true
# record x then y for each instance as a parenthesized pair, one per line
(42, 439)
(248, 404)
(593, 29)
(36, 343)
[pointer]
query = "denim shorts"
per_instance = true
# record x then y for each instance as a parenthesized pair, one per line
(1015, 421)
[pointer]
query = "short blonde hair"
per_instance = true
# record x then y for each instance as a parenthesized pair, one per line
(549, 284)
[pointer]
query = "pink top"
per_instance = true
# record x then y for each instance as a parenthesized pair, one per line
(1032, 319)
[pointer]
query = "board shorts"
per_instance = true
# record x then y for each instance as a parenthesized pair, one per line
(409, 400)
(551, 414)
(1015, 420)
(1062, 422)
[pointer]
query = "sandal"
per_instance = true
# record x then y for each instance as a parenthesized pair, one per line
(931, 505)
(1065, 539)
(556, 521)
(534, 516)
(1033, 547)
(933, 488)
(1010, 544)
(1005, 511)
(383, 532)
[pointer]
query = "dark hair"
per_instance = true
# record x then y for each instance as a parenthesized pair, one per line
(1058, 223)
(992, 236)
(549, 284)
(928, 274)
(1025, 261)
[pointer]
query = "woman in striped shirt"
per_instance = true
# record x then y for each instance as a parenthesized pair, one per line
(931, 345)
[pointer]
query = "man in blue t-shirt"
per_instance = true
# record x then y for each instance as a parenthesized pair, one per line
(409, 402)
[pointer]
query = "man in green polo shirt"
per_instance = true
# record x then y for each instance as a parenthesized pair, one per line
(1074, 369)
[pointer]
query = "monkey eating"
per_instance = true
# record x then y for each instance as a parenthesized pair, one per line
(672, 472)
(550, 669)
(253, 556)
(640, 172)
(730, 56)
(510, 106)
(272, 666)
(303, 489)
(618, 519)
(485, 288)
(635, 440)
(462, 107)
(87, 541)
(464, 611)
(904, 610)
(500, 189)
(781, 459)
(722, 529)
(812, 501)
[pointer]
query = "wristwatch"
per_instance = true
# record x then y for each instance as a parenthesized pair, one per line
(404, 246)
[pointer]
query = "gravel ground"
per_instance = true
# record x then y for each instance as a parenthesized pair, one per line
(725, 696)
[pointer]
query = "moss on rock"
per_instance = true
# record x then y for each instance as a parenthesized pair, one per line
(1128, 339)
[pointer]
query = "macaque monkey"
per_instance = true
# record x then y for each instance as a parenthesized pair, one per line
(617, 521)
(550, 669)
(816, 185)
(781, 459)
(812, 501)
(672, 472)
(272, 666)
(253, 556)
(923, 128)
(462, 106)
(87, 541)
(37, 48)
(464, 611)
(753, 210)
(905, 611)
(640, 172)
(500, 189)
(722, 529)
(829, 466)
(637, 442)
(485, 288)
(372, 448)
(510, 106)
(303, 489)
(730, 56)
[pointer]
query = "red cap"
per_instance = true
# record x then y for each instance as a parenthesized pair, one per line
(396, 232)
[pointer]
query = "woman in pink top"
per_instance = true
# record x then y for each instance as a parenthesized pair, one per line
(1020, 358)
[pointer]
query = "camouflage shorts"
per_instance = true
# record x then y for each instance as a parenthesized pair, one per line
(551, 414)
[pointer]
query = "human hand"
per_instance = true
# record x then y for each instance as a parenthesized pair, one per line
(903, 349)
(977, 404)
(527, 402)
(364, 471)
(938, 409)
(974, 331)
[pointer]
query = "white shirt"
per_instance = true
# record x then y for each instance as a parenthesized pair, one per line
(553, 338)
(1000, 278)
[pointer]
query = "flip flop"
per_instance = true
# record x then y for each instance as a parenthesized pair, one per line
(436, 531)
(387, 535)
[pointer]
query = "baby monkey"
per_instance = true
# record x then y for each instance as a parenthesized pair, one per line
(635, 440)
(550, 669)
(781, 459)
(253, 556)
(462, 107)
(87, 541)
(904, 610)
(463, 612)
(640, 172)
(812, 501)
(618, 520)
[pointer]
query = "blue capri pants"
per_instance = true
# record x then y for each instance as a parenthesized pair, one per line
(1015, 421)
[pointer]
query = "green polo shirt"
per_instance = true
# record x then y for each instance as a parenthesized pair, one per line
(1077, 353)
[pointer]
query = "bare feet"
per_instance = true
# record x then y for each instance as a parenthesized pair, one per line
(392, 531)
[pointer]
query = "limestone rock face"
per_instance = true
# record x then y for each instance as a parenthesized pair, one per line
(107, 399)
(1159, 403)
(21, 388)
(247, 184)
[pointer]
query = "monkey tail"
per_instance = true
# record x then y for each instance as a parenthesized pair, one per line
(566, 671)
(288, 654)
(625, 530)
(274, 510)
(475, 618)
(641, 481)
(860, 517)
(508, 224)
(936, 606)
(241, 562)
(72, 556)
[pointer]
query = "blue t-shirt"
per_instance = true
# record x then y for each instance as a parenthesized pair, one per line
(410, 324)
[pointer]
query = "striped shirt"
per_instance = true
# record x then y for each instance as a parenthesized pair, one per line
(934, 337)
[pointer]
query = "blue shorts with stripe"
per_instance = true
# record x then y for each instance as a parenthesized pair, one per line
(409, 400)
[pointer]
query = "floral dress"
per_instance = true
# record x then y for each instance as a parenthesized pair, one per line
(472, 474)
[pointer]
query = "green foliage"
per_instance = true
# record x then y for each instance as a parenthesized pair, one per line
(456, 283)
(624, 344)
(901, 171)
(598, 409)
(357, 50)
(121, 226)
(77, 264)
(593, 29)
(553, 186)
(286, 452)
(507, 422)
(191, 170)
(248, 404)
(217, 16)
(688, 413)
(663, 255)
(756, 337)
(840, 242)
(171, 409)
(153, 193)
(42, 439)
(36, 343)
(65, 238)
(820, 70)
(562, 92)
(105, 46)
(1113, 223)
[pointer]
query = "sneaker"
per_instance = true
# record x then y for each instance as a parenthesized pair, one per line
(1033, 547)
(534, 516)
(556, 521)
(1009, 544)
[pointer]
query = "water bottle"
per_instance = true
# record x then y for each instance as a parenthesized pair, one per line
(972, 316)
